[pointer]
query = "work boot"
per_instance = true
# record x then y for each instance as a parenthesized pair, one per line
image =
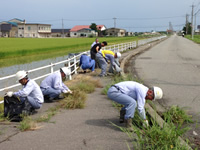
(60, 96)
(129, 125)
(122, 114)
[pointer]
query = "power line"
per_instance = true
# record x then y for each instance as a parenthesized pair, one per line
(150, 18)
(153, 26)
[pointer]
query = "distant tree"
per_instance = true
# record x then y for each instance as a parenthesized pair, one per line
(93, 26)
(189, 28)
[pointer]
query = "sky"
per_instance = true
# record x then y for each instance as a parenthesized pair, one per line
(132, 15)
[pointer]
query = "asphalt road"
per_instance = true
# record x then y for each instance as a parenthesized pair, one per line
(174, 65)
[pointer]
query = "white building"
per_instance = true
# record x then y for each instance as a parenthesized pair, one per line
(32, 30)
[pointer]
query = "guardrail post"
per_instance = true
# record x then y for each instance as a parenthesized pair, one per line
(75, 68)
(118, 48)
(69, 66)
(51, 67)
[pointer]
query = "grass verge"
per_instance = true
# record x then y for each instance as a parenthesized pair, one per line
(154, 136)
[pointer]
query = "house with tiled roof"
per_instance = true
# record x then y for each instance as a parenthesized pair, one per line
(85, 31)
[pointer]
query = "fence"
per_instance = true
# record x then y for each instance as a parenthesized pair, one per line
(72, 63)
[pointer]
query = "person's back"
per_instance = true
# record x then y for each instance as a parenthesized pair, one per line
(36, 93)
(50, 80)
(93, 50)
(86, 62)
(52, 86)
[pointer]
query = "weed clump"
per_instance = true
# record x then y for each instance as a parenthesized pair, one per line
(166, 137)
(27, 124)
(75, 100)
(177, 115)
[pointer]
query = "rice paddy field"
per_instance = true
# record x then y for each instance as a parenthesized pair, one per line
(25, 50)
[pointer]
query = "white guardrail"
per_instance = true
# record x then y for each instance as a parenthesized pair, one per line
(73, 62)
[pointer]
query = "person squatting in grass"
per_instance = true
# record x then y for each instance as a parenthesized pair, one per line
(93, 51)
(132, 94)
(30, 92)
(86, 63)
(114, 60)
(52, 86)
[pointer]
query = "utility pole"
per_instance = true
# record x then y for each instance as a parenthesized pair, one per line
(192, 28)
(114, 22)
(186, 24)
(170, 27)
(0, 30)
(195, 19)
(62, 29)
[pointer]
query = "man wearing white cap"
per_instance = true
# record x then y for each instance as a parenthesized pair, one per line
(132, 94)
(30, 91)
(52, 86)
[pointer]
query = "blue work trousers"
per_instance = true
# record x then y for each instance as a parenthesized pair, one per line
(129, 103)
(51, 92)
(90, 65)
(35, 104)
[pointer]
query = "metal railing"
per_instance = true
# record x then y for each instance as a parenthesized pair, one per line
(72, 63)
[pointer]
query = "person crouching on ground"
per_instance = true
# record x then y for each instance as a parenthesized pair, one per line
(52, 86)
(30, 92)
(114, 60)
(94, 50)
(132, 94)
(86, 63)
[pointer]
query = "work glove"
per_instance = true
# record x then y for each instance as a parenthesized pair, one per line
(69, 91)
(65, 91)
(145, 123)
(9, 94)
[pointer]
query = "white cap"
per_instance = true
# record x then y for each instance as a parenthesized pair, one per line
(66, 71)
(158, 93)
(118, 54)
(21, 74)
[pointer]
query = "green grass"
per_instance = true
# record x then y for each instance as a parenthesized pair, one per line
(26, 50)
(196, 38)
(177, 115)
(48, 115)
(27, 124)
(156, 137)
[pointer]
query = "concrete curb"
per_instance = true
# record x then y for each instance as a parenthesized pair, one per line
(149, 109)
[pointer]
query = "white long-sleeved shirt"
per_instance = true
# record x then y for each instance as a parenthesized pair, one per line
(31, 89)
(54, 80)
(137, 91)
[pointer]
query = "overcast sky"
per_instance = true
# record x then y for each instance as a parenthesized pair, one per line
(132, 15)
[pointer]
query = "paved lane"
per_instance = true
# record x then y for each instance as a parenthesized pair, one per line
(173, 65)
